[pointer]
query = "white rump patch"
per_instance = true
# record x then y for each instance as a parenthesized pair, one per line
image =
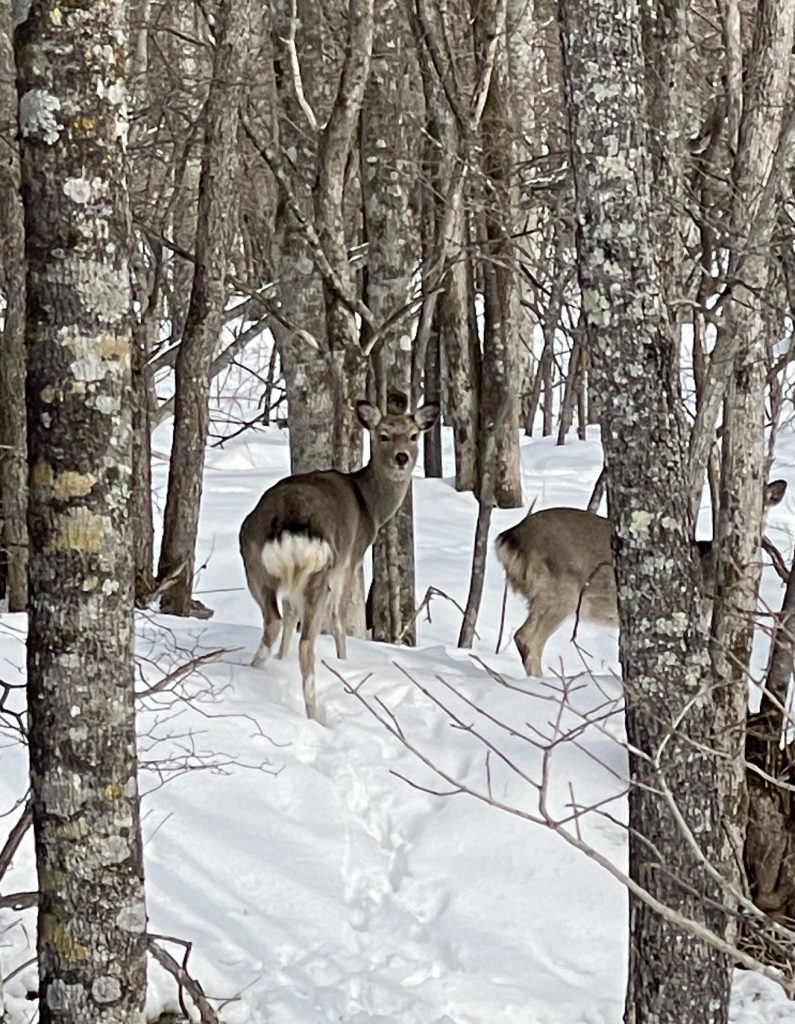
(292, 560)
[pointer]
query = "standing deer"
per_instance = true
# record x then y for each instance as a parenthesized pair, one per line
(561, 560)
(305, 540)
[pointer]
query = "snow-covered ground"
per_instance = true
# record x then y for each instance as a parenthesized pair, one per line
(328, 874)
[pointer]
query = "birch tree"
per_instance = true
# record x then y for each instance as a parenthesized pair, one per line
(72, 123)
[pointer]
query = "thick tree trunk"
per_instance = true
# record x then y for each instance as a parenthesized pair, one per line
(13, 444)
(634, 364)
(92, 917)
(205, 314)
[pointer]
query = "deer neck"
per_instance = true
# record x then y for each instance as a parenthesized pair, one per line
(382, 497)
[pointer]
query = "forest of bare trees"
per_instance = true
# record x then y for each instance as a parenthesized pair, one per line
(541, 216)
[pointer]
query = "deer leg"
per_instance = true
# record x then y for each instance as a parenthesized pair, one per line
(315, 607)
(290, 620)
(340, 588)
(271, 624)
(531, 637)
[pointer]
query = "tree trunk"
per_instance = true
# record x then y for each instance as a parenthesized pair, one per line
(13, 445)
(335, 148)
(390, 158)
(634, 364)
(459, 344)
(205, 314)
(92, 917)
(501, 377)
(760, 166)
(301, 336)
(141, 485)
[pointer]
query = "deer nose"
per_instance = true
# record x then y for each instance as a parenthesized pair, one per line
(401, 459)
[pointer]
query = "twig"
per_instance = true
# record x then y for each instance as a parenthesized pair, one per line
(15, 837)
(180, 974)
(182, 671)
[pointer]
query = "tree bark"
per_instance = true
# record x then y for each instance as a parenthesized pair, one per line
(501, 373)
(634, 364)
(335, 147)
(301, 337)
(72, 122)
(390, 160)
(13, 444)
(443, 151)
(205, 313)
(763, 155)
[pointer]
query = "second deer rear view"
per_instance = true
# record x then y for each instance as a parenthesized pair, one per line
(560, 560)
(306, 538)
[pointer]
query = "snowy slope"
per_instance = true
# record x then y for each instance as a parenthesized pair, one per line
(327, 874)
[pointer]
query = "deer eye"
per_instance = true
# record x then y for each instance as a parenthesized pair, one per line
(384, 437)
(414, 437)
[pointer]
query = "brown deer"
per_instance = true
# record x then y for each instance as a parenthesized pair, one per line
(561, 560)
(304, 542)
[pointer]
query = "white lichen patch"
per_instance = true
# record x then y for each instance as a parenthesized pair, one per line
(114, 850)
(96, 358)
(105, 989)
(62, 794)
(62, 997)
(132, 918)
(37, 110)
(639, 524)
(115, 93)
(106, 404)
(78, 190)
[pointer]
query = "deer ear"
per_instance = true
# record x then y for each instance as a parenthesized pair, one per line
(774, 492)
(426, 415)
(368, 414)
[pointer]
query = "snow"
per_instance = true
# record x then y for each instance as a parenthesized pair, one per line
(325, 873)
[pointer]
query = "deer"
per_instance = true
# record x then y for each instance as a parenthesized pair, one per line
(304, 542)
(561, 561)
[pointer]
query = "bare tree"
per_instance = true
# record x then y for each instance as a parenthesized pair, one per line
(72, 122)
(208, 295)
(634, 362)
(390, 161)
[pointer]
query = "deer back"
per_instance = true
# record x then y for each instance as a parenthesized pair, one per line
(562, 556)
(325, 506)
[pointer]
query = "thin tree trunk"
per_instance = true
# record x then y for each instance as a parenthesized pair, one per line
(390, 158)
(205, 314)
(92, 917)
(501, 362)
(432, 439)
